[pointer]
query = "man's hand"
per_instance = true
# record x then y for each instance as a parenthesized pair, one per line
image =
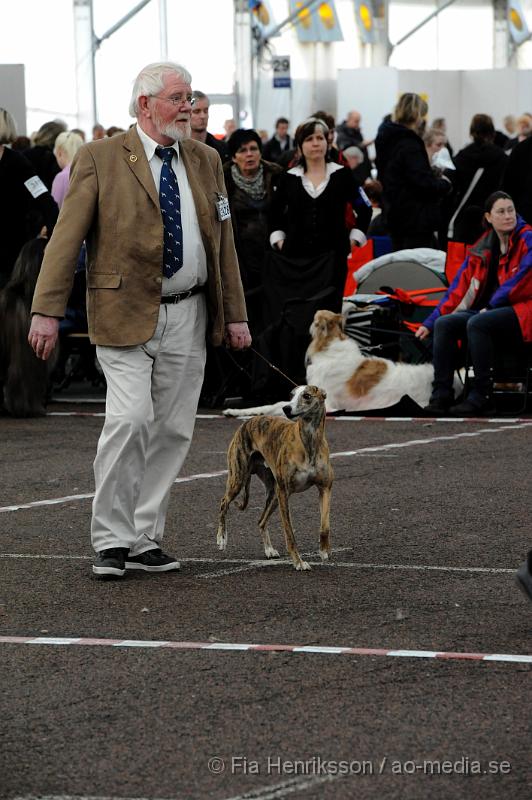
(422, 332)
(237, 335)
(43, 335)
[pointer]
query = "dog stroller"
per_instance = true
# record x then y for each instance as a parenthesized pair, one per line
(395, 294)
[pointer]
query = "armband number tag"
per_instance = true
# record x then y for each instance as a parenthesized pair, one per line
(222, 207)
(35, 186)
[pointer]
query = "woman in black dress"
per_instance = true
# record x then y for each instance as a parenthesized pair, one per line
(310, 238)
(308, 210)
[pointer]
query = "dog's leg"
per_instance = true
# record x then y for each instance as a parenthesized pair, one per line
(236, 478)
(269, 508)
(325, 530)
(282, 496)
(265, 474)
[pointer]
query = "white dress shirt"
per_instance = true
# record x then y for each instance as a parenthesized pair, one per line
(355, 235)
(194, 269)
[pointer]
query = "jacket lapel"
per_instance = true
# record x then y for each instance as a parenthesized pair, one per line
(192, 164)
(135, 158)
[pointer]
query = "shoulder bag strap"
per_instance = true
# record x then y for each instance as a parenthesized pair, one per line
(476, 177)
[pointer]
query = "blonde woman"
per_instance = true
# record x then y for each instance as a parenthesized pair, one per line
(411, 191)
(66, 146)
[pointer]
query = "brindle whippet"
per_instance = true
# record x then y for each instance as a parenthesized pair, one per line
(289, 456)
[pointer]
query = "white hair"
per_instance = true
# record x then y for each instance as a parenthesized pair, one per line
(355, 152)
(69, 142)
(149, 81)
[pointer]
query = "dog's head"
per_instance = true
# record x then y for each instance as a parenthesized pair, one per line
(325, 327)
(307, 401)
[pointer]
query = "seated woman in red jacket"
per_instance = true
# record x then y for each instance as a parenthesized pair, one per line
(490, 300)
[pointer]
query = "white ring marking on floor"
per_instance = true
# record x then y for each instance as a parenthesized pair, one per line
(283, 789)
(273, 792)
(263, 562)
(247, 563)
(343, 454)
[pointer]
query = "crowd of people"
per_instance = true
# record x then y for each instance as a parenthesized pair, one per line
(421, 192)
(186, 235)
(298, 203)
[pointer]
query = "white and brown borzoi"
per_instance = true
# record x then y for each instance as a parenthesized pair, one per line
(289, 456)
(353, 382)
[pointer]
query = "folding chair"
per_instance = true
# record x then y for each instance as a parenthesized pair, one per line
(512, 379)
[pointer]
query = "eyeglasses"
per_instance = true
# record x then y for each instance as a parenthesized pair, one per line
(177, 99)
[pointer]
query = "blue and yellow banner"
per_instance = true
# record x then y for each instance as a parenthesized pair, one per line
(365, 19)
(517, 24)
(317, 24)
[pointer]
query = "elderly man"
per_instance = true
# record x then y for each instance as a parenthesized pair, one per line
(355, 161)
(151, 205)
(199, 122)
(348, 134)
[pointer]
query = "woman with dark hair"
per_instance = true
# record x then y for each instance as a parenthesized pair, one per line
(489, 302)
(309, 204)
(411, 190)
(478, 172)
(311, 241)
(248, 179)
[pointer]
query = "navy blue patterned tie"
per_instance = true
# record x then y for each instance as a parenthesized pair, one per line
(171, 210)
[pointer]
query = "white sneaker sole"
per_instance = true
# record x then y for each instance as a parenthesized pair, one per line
(163, 568)
(108, 571)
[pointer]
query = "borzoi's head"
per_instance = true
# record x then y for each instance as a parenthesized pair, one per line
(307, 402)
(325, 327)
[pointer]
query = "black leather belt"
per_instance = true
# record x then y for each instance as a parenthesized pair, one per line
(176, 298)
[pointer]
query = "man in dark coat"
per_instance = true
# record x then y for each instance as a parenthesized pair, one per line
(349, 134)
(483, 154)
(280, 143)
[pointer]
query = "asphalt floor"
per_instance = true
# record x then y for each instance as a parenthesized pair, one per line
(133, 691)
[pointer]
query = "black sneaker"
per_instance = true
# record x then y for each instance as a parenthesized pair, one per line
(111, 562)
(152, 561)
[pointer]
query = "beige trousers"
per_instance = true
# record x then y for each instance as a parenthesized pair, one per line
(152, 396)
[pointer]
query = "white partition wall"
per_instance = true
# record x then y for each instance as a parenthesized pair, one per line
(373, 92)
(442, 90)
(455, 95)
(13, 93)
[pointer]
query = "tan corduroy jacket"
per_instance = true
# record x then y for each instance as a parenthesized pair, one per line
(113, 205)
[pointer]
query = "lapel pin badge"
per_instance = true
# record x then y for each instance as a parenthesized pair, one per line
(133, 157)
